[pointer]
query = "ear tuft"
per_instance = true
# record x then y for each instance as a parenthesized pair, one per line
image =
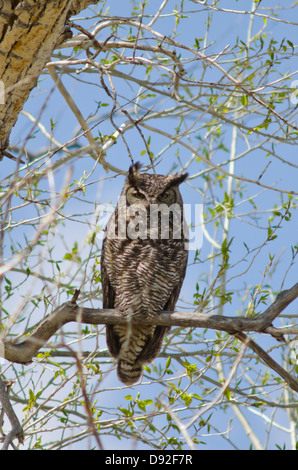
(181, 178)
(133, 173)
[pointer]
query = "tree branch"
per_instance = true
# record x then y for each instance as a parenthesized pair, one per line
(17, 430)
(23, 352)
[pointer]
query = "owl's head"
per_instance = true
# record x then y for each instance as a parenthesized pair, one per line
(146, 188)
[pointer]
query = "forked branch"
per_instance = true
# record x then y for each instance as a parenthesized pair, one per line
(17, 430)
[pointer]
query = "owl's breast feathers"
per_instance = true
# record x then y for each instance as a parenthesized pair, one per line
(143, 273)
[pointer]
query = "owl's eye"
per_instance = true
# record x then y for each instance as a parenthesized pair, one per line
(135, 197)
(164, 195)
(167, 196)
(138, 195)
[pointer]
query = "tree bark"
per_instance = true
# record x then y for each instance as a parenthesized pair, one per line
(29, 32)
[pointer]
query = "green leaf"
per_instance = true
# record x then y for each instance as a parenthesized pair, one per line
(126, 412)
(290, 44)
(168, 362)
(244, 100)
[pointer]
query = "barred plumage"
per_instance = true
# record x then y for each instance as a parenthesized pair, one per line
(141, 270)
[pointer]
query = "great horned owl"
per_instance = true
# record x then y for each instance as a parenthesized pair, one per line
(143, 264)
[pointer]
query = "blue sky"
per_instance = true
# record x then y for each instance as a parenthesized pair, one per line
(47, 103)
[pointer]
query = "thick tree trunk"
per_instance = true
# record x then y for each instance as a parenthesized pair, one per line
(29, 32)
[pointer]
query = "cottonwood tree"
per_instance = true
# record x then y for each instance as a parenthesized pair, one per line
(207, 87)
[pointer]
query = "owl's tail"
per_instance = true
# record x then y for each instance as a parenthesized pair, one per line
(133, 340)
(128, 372)
(136, 346)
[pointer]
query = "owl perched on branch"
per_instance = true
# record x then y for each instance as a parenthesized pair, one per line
(143, 264)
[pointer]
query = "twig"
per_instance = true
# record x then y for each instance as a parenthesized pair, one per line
(77, 113)
(182, 428)
(8, 155)
(291, 381)
(223, 388)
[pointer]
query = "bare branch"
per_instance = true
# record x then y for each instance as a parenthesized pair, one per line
(17, 430)
(70, 312)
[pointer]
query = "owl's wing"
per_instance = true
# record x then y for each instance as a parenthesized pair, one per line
(108, 301)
